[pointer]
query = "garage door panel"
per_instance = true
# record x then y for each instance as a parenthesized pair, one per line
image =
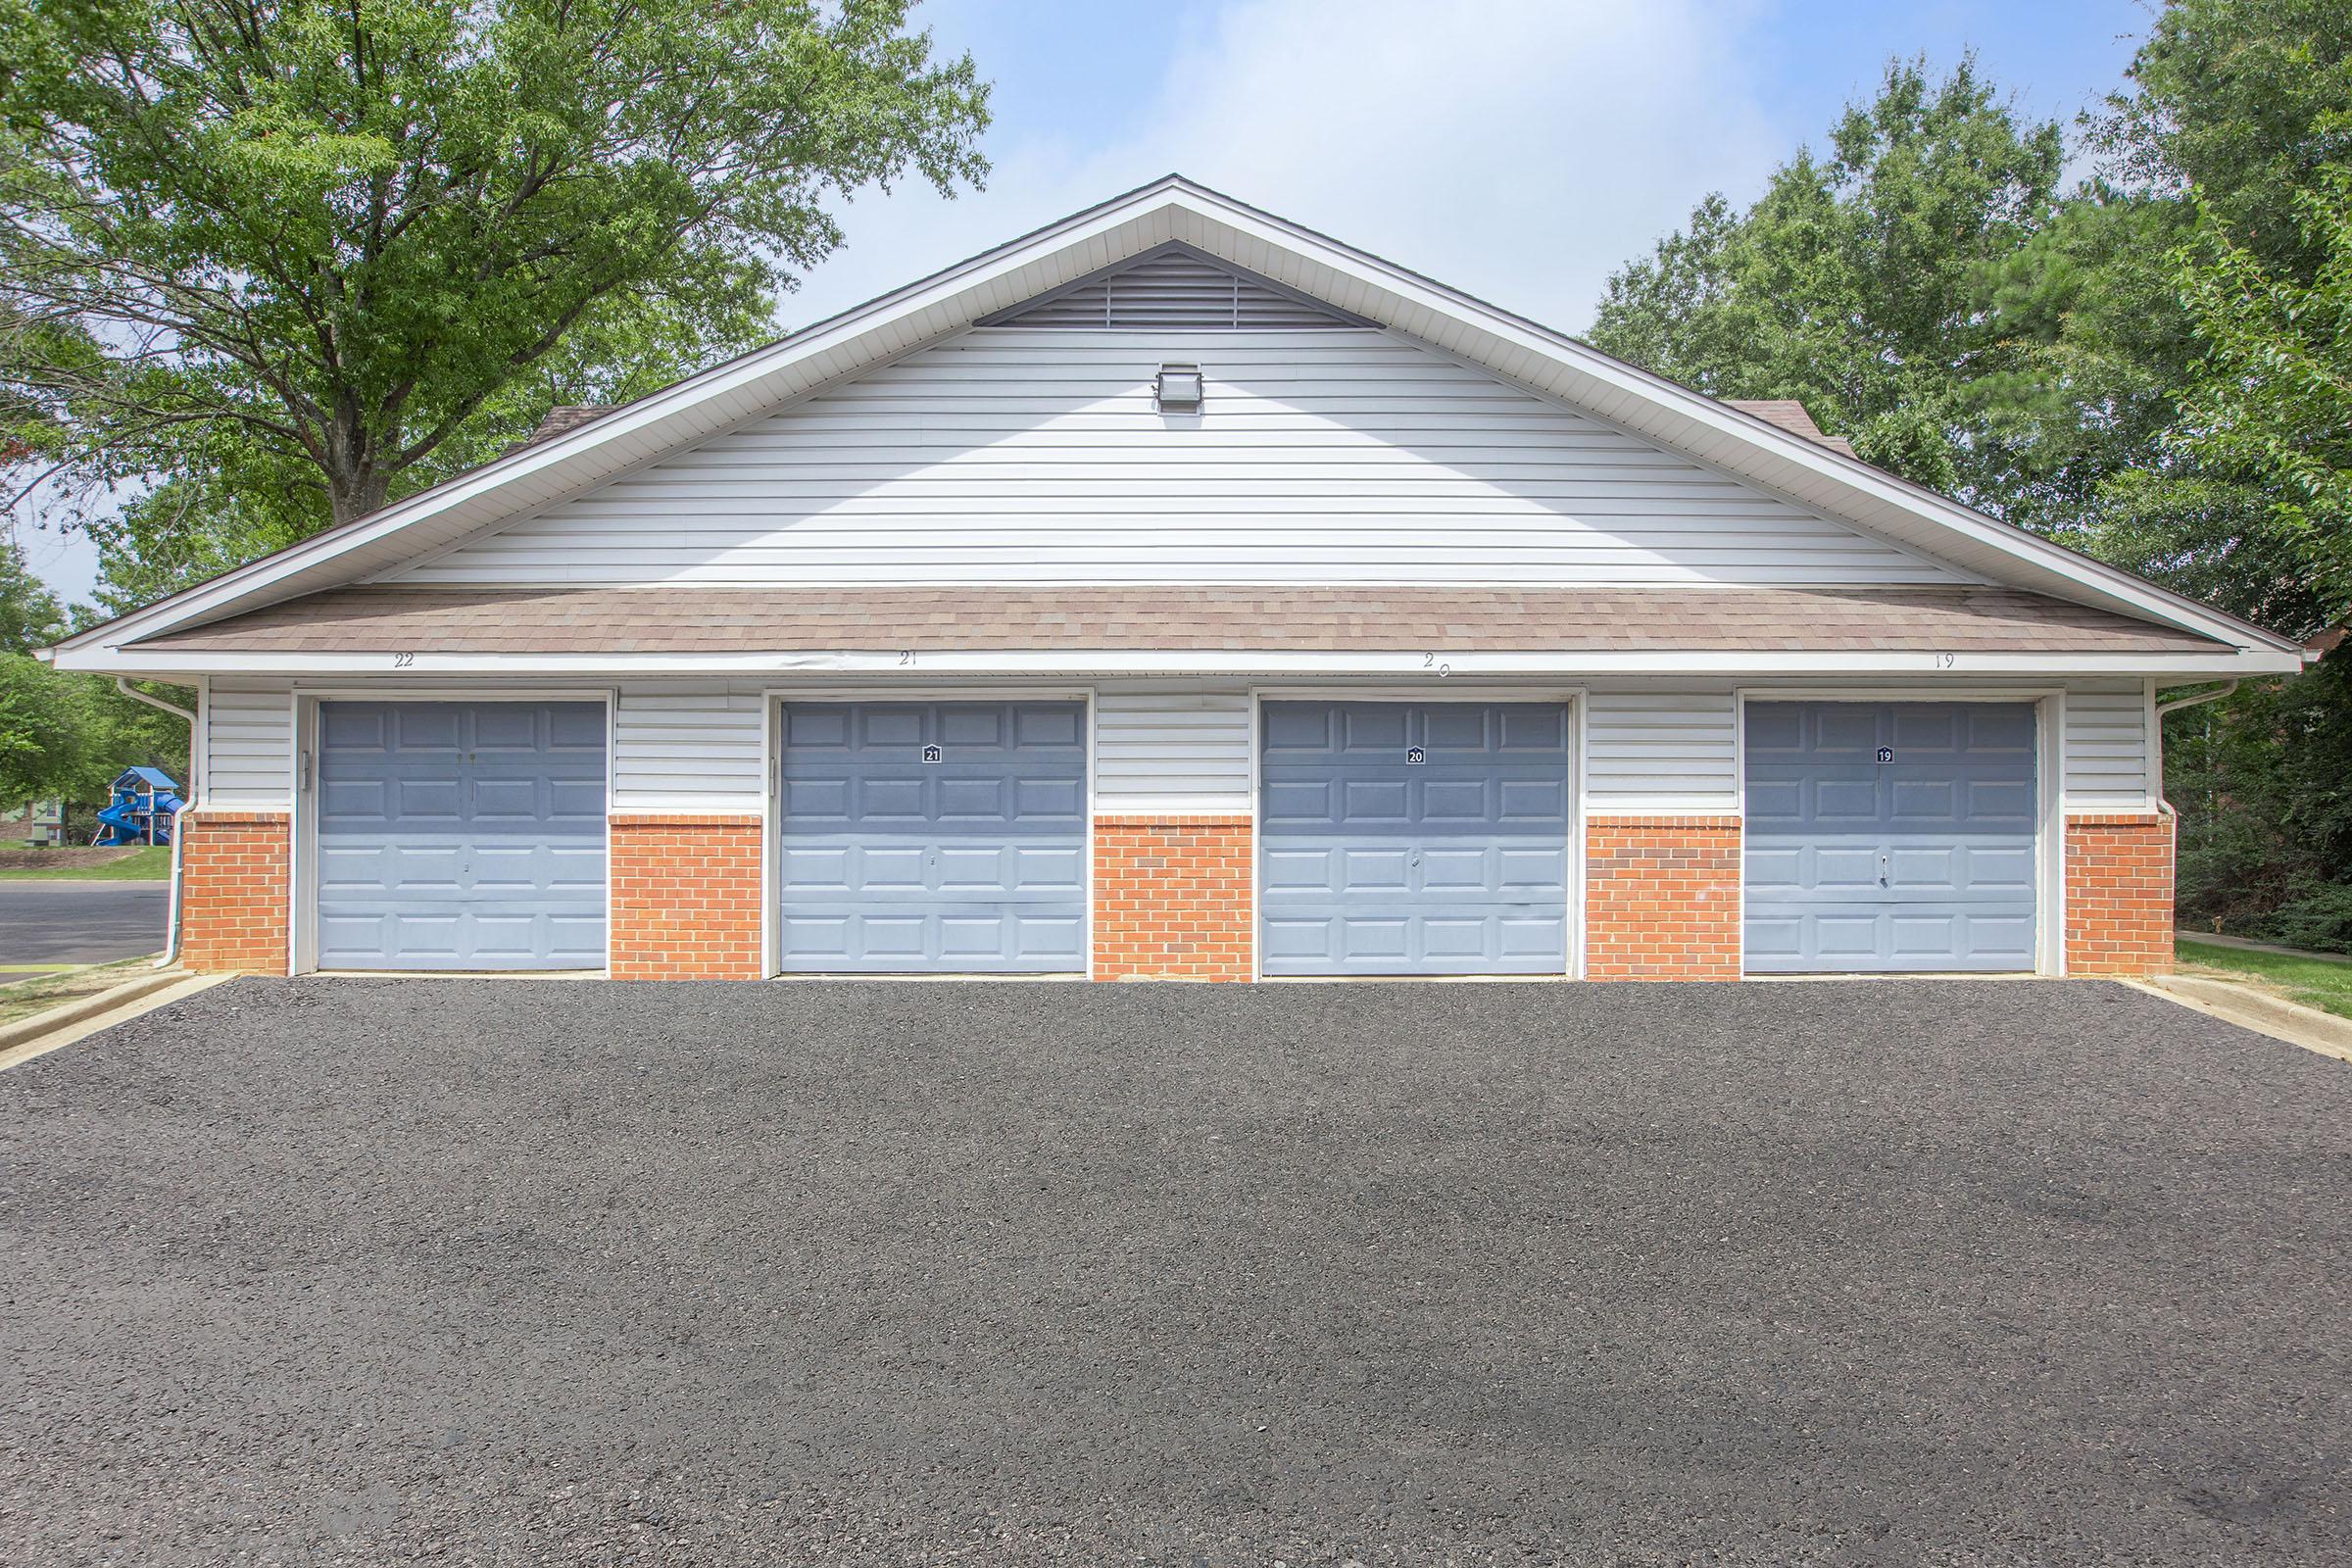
(1445, 939)
(974, 859)
(1853, 731)
(1471, 870)
(1369, 801)
(1041, 800)
(1535, 805)
(514, 803)
(1533, 871)
(462, 836)
(1541, 731)
(1372, 871)
(1845, 800)
(882, 725)
(1400, 838)
(1925, 861)
(1452, 800)
(420, 729)
(1369, 727)
(419, 802)
(1039, 724)
(816, 728)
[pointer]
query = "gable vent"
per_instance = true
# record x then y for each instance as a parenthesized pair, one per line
(1173, 287)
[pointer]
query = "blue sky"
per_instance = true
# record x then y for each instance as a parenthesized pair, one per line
(1518, 149)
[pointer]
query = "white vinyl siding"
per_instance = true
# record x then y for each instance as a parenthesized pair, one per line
(2107, 751)
(677, 749)
(248, 746)
(1171, 749)
(1028, 455)
(1662, 752)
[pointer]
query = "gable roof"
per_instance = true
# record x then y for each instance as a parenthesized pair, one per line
(1173, 211)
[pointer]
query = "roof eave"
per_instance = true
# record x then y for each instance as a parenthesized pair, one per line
(1909, 667)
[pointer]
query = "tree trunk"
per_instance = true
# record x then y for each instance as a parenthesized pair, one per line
(358, 494)
(356, 484)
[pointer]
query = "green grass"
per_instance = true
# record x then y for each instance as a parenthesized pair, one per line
(151, 864)
(29, 997)
(2313, 982)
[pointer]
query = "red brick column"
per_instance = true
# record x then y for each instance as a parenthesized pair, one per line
(2119, 894)
(1172, 898)
(235, 869)
(1662, 898)
(686, 898)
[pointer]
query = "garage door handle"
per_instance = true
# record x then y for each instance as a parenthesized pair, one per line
(1882, 882)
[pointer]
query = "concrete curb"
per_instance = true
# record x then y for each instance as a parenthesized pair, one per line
(37, 1036)
(2248, 1008)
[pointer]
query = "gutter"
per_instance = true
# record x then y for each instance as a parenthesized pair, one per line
(171, 902)
(2193, 700)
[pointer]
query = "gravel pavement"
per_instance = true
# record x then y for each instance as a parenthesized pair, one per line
(462, 1272)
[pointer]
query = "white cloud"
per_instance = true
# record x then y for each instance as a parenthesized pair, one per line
(1518, 150)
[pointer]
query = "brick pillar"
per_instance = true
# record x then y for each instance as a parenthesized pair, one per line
(686, 898)
(2119, 894)
(234, 871)
(1662, 898)
(1172, 898)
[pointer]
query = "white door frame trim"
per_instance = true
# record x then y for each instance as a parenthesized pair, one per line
(771, 808)
(2049, 784)
(302, 873)
(1574, 697)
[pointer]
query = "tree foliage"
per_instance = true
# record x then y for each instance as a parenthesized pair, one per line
(1852, 283)
(2273, 394)
(62, 735)
(298, 259)
(2154, 366)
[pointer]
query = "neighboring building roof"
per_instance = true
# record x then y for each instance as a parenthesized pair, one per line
(724, 620)
(1786, 414)
(561, 418)
(1733, 440)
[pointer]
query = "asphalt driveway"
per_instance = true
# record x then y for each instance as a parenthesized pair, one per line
(66, 922)
(1891, 1273)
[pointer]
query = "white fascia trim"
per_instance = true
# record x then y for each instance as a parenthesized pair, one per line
(1955, 669)
(1170, 196)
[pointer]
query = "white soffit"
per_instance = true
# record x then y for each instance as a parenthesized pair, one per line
(1169, 209)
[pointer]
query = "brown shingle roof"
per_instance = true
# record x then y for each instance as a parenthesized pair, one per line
(744, 620)
(559, 419)
(1793, 416)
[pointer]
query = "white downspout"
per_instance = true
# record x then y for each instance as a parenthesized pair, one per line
(2197, 698)
(170, 951)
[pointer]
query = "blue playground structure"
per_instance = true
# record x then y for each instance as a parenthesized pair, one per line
(140, 811)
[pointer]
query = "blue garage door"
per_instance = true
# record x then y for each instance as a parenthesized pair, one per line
(462, 836)
(948, 837)
(1414, 838)
(1890, 836)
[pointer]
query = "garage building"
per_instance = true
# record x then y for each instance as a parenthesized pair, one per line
(1176, 593)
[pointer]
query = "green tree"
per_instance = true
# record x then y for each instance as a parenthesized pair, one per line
(2273, 394)
(1855, 282)
(64, 735)
(299, 258)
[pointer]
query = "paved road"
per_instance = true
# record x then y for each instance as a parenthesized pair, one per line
(1870, 1273)
(80, 922)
